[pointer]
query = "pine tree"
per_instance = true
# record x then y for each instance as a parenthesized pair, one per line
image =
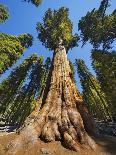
(11, 48)
(104, 64)
(99, 28)
(13, 82)
(92, 94)
(3, 13)
(62, 114)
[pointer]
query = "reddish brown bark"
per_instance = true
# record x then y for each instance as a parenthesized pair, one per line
(62, 115)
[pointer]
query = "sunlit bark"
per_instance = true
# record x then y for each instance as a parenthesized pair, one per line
(62, 114)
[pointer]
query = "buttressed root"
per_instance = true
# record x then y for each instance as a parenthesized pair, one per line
(62, 115)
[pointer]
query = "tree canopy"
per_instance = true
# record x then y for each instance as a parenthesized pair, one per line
(26, 40)
(10, 85)
(57, 25)
(3, 13)
(25, 99)
(34, 2)
(93, 95)
(99, 28)
(22, 88)
(104, 64)
(11, 48)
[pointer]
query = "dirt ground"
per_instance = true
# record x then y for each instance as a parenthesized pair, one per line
(106, 146)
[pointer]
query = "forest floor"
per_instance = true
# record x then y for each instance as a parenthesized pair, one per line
(106, 146)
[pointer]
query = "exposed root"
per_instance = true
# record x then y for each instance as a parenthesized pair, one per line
(62, 115)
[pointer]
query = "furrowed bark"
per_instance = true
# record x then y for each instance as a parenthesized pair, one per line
(62, 114)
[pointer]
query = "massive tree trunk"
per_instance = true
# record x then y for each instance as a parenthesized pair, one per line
(61, 115)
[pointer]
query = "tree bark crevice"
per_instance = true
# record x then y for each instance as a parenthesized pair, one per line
(62, 114)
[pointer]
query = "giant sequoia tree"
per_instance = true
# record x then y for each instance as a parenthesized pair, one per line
(62, 114)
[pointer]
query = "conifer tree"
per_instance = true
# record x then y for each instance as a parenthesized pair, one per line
(10, 86)
(58, 25)
(24, 99)
(99, 28)
(92, 93)
(62, 114)
(3, 13)
(11, 48)
(104, 63)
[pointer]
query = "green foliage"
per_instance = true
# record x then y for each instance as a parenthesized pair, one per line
(11, 48)
(10, 86)
(104, 64)
(103, 6)
(57, 25)
(24, 100)
(3, 13)
(34, 2)
(26, 40)
(92, 94)
(99, 28)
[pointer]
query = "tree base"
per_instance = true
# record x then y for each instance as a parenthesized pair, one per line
(68, 129)
(62, 115)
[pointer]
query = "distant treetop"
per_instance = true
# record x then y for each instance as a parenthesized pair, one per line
(34, 2)
(3, 13)
(99, 28)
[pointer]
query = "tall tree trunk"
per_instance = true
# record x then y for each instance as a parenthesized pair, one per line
(62, 115)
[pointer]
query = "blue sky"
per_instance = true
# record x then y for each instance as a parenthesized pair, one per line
(24, 17)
